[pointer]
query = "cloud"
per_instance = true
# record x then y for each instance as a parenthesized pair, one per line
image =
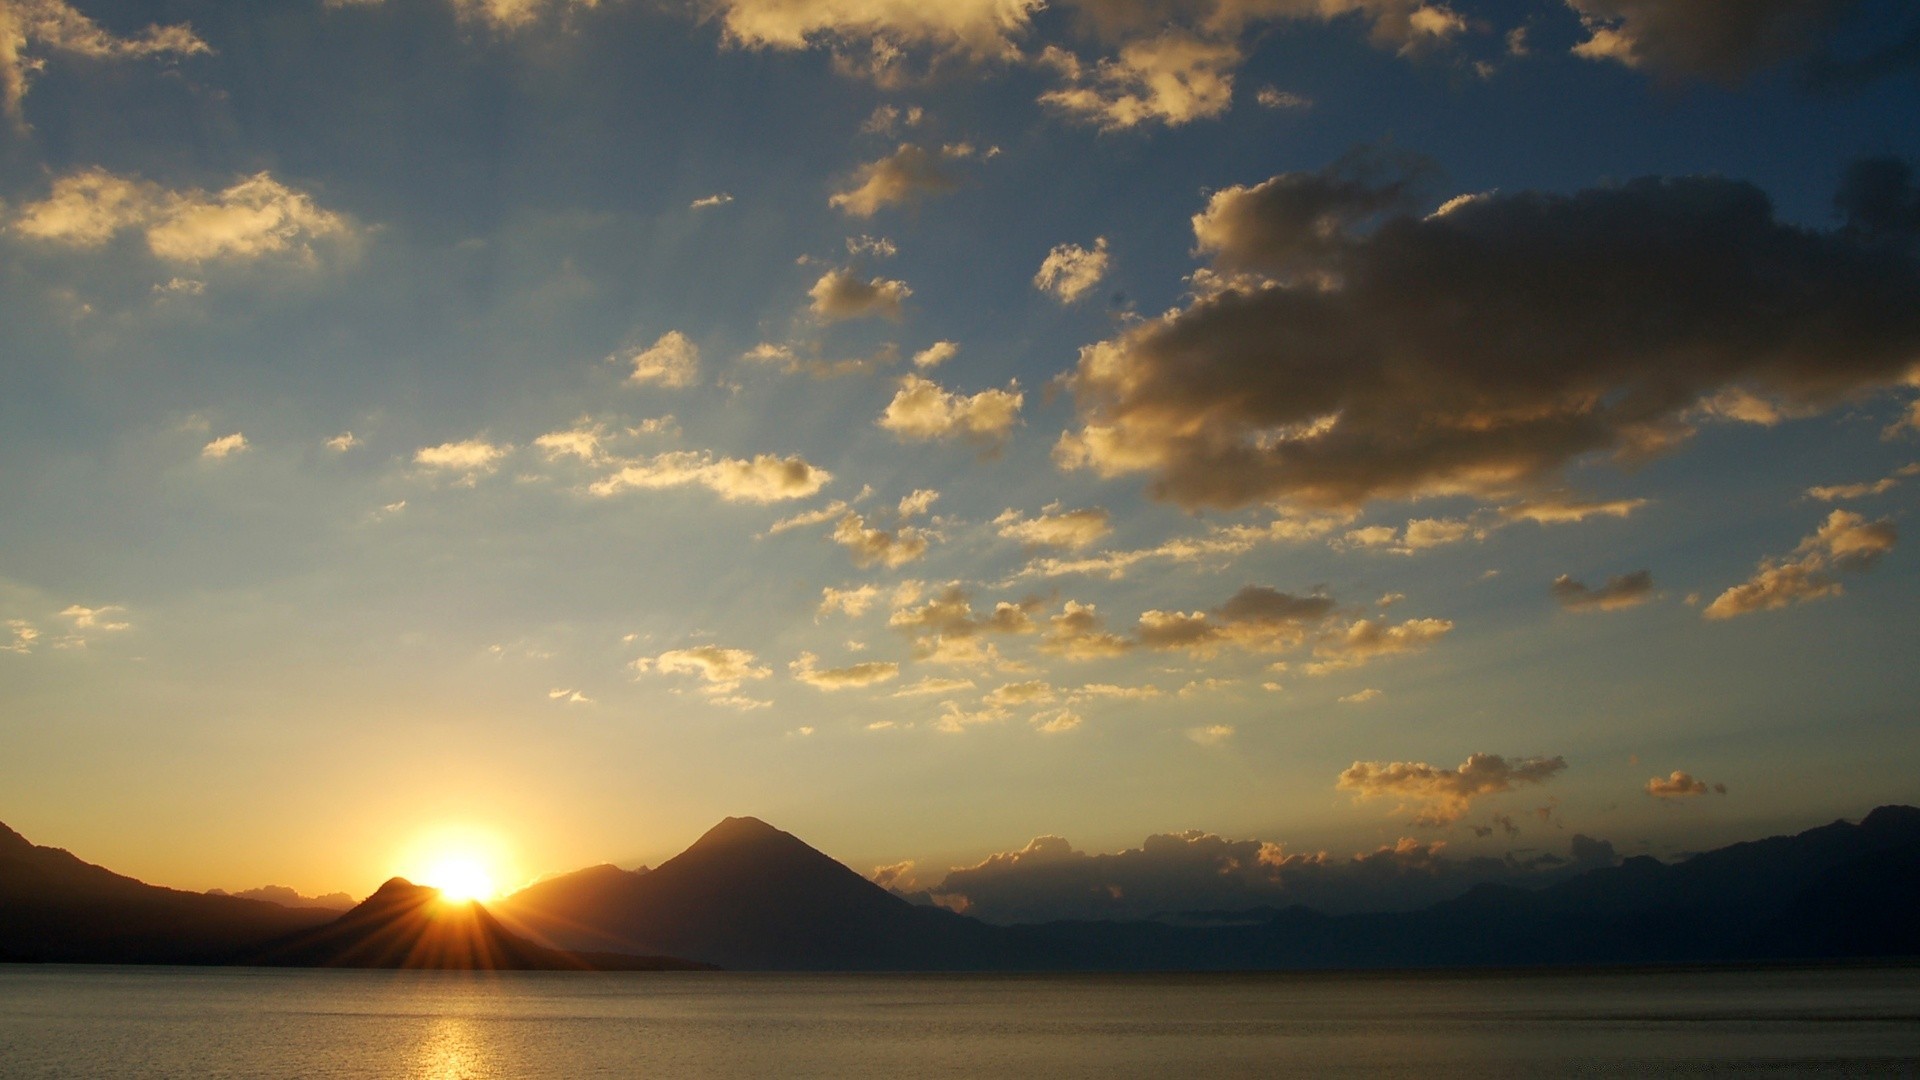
(30, 28)
(1078, 633)
(935, 354)
(1056, 721)
(343, 442)
(671, 361)
(790, 362)
(1073, 529)
(1197, 875)
(1256, 619)
(853, 676)
(922, 411)
(21, 636)
(707, 202)
(583, 441)
(932, 685)
(1219, 544)
(1070, 271)
(225, 446)
(871, 546)
(1211, 734)
(472, 457)
(1445, 795)
(1681, 785)
(852, 601)
(1624, 591)
(1845, 541)
(1361, 697)
(1838, 492)
(764, 478)
(1563, 509)
(1030, 692)
(721, 669)
(946, 630)
(907, 175)
(974, 27)
(917, 503)
(1348, 353)
(255, 217)
(1272, 97)
(1366, 640)
(569, 696)
(1723, 42)
(1172, 79)
(1418, 535)
(842, 294)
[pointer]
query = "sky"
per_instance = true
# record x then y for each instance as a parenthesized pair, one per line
(1265, 433)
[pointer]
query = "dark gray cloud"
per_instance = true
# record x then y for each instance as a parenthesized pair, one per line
(1624, 591)
(1725, 42)
(1194, 871)
(1482, 349)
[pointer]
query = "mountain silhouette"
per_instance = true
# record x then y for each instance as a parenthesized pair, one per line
(56, 908)
(748, 895)
(403, 925)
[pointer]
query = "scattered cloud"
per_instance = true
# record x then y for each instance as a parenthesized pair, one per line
(1845, 541)
(1361, 697)
(854, 676)
(722, 670)
(922, 410)
(1366, 640)
(569, 696)
(933, 685)
(1172, 79)
(1445, 795)
(254, 218)
(1624, 591)
(225, 446)
(853, 602)
(1681, 785)
(1057, 528)
(907, 175)
(872, 546)
(1070, 271)
(935, 354)
(1320, 372)
(343, 442)
(469, 458)
(1220, 544)
(1725, 43)
(844, 294)
(707, 202)
(671, 361)
(1211, 734)
(764, 478)
(29, 29)
(1272, 97)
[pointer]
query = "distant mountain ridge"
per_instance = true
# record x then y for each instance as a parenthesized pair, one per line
(749, 896)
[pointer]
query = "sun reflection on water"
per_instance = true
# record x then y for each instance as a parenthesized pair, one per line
(453, 1049)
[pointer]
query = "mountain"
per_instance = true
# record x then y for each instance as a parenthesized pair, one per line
(747, 895)
(56, 908)
(404, 925)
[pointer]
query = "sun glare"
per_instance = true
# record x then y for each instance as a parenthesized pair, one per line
(460, 878)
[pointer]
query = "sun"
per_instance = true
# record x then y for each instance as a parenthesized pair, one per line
(460, 878)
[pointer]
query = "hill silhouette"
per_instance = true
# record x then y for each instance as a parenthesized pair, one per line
(748, 895)
(403, 925)
(56, 908)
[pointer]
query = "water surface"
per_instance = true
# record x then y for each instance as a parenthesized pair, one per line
(237, 1022)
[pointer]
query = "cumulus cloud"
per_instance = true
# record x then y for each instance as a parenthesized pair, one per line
(1055, 527)
(1070, 271)
(343, 442)
(1361, 697)
(909, 174)
(922, 410)
(225, 446)
(945, 628)
(1220, 544)
(844, 294)
(721, 670)
(253, 218)
(672, 360)
(872, 546)
(1723, 42)
(1416, 536)
(1681, 785)
(982, 28)
(764, 478)
(1356, 350)
(917, 503)
(1255, 619)
(30, 29)
(1445, 795)
(708, 202)
(1845, 541)
(1172, 79)
(470, 458)
(853, 676)
(1624, 591)
(21, 636)
(935, 354)
(1366, 640)
(854, 601)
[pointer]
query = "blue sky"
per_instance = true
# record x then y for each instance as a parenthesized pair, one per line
(930, 428)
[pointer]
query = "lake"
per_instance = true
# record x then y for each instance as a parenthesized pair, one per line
(241, 1022)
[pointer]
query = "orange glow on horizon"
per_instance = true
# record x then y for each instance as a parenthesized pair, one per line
(463, 862)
